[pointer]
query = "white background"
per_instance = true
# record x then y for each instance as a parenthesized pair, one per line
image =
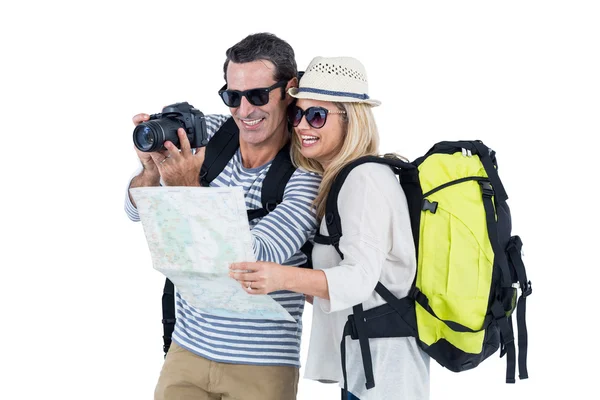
(80, 301)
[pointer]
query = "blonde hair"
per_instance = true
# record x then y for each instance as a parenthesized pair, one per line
(361, 138)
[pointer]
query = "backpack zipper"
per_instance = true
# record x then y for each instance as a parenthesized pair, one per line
(454, 182)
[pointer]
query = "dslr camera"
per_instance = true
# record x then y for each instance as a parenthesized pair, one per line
(152, 134)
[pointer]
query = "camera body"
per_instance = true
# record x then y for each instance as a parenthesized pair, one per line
(151, 135)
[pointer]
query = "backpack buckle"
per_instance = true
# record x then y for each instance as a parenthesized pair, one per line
(350, 327)
(414, 292)
(429, 206)
(335, 239)
(526, 289)
(270, 206)
(486, 188)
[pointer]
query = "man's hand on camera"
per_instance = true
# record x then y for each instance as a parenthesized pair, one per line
(179, 168)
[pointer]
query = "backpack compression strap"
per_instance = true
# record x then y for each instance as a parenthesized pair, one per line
(503, 320)
(334, 228)
(514, 254)
(493, 194)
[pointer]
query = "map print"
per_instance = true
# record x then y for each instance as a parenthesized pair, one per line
(194, 234)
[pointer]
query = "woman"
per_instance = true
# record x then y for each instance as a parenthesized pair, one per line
(334, 125)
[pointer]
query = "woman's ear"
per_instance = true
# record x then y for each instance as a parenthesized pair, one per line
(291, 84)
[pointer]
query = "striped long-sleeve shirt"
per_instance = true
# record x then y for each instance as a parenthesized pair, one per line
(276, 237)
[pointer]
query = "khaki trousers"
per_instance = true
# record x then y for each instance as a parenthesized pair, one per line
(186, 376)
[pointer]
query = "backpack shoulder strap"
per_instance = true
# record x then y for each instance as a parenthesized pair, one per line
(334, 228)
(168, 311)
(273, 187)
(332, 216)
(277, 178)
(219, 150)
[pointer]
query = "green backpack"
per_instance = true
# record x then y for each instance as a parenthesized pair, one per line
(469, 266)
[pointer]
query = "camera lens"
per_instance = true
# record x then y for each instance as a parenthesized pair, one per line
(144, 138)
(152, 135)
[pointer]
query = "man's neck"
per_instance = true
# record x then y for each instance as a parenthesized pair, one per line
(254, 156)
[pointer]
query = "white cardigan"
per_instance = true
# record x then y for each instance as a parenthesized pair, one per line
(377, 244)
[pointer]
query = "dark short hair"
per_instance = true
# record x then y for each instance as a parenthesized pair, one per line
(264, 46)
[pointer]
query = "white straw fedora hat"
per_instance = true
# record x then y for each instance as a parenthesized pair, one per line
(339, 79)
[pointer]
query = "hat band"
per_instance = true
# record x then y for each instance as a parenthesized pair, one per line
(333, 93)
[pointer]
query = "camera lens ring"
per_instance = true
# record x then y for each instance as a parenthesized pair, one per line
(149, 136)
(163, 133)
(144, 137)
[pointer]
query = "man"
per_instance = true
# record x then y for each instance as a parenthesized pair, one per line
(220, 358)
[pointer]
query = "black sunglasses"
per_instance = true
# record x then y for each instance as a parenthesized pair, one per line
(256, 97)
(315, 116)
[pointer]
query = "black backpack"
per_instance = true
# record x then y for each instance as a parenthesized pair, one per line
(219, 151)
(451, 180)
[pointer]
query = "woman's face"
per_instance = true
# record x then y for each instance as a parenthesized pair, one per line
(321, 144)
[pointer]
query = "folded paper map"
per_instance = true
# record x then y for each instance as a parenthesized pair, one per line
(194, 234)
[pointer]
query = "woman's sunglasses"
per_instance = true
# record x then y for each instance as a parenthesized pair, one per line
(256, 97)
(315, 116)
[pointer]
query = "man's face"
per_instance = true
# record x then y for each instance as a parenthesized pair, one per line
(258, 124)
